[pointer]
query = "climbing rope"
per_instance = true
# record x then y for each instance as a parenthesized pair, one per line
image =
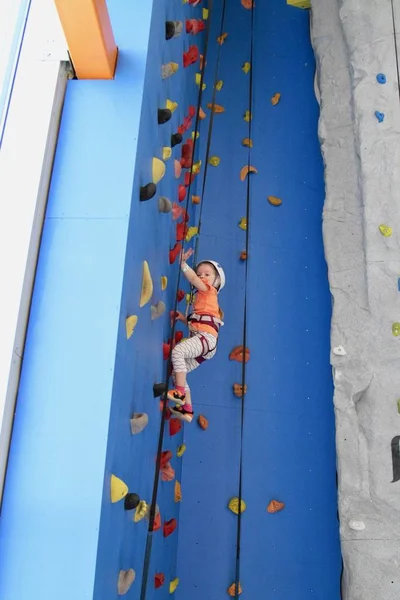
(244, 340)
(395, 48)
(152, 512)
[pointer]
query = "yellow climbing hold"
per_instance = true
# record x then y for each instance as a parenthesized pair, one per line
(195, 133)
(274, 200)
(234, 506)
(214, 161)
(177, 492)
(164, 282)
(166, 152)
(157, 170)
(244, 171)
(147, 285)
(181, 450)
(243, 223)
(396, 329)
(247, 142)
(172, 106)
(275, 99)
(299, 3)
(173, 585)
(198, 80)
(246, 67)
(221, 39)
(219, 85)
(192, 231)
(130, 325)
(188, 298)
(140, 512)
(169, 69)
(247, 116)
(385, 230)
(119, 489)
(196, 167)
(205, 14)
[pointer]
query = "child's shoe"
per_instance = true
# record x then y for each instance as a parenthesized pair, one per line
(176, 397)
(183, 412)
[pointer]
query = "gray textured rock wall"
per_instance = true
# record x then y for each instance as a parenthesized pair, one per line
(353, 41)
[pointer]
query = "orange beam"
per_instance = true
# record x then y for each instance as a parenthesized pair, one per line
(91, 44)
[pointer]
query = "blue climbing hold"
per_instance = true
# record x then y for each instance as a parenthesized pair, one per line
(380, 116)
(398, 284)
(381, 78)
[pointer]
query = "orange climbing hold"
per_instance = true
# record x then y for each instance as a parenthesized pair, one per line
(216, 108)
(249, 4)
(178, 491)
(275, 506)
(173, 254)
(238, 354)
(244, 171)
(202, 114)
(239, 390)
(274, 200)
(221, 39)
(159, 579)
(203, 422)
(195, 199)
(243, 255)
(169, 527)
(175, 425)
(232, 590)
(157, 522)
(275, 99)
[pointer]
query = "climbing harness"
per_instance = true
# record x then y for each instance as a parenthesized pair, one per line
(210, 320)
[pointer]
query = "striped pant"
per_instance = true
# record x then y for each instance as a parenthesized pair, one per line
(184, 354)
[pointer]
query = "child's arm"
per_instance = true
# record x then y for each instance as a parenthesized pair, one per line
(190, 274)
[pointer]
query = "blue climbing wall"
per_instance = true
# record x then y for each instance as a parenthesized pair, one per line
(82, 379)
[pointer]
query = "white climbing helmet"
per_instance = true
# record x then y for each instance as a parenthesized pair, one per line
(219, 269)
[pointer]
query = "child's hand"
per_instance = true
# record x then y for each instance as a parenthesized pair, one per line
(178, 316)
(186, 255)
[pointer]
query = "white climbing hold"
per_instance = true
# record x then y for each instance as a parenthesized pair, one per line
(356, 525)
(339, 351)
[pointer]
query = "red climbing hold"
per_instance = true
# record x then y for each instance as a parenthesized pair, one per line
(159, 579)
(189, 178)
(181, 193)
(176, 211)
(175, 425)
(165, 457)
(191, 111)
(187, 154)
(181, 231)
(169, 527)
(165, 349)
(173, 254)
(167, 411)
(178, 336)
(185, 215)
(157, 522)
(191, 56)
(180, 295)
(194, 26)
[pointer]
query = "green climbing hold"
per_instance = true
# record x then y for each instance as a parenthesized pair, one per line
(396, 329)
(398, 406)
(385, 230)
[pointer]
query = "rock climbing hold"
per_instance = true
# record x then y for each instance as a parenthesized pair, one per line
(247, 116)
(130, 325)
(398, 284)
(274, 200)
(131, 501)
(181, 230)
(156, 310)
(140, 511)
(380, 116)
(195, 199)
(215, 108)
(202, 422)
(192, 231)
(194, 26)
(219, 85)
(164, 205)
(163, 115)
(243, 223)
(147, 192)
(175, 425)
(246, 67)
(125, 580)
(159, 389)
(232, 588)
(187, 154)
(188, 298)
(166, 350)
(181, 193)
(167, 472)
(173, 585)
(247, 142)
(239, 390)
(243, 255)
(119, 489)
(385, 230)
(249, 4)
(178, 336)
(205, 13)
(169, 30)
(171, 105)
(159, 579)
(180, 295)
(138, 422)
(174, 253)
(398, 406)
(304, 4)
(176, 138)
(189, 177)
(221, 39)
(356, 525)
(157, 169)
(190, 56)
(275, 99)
(239, 355)
(234, 505)
(396, 329)
(197, 79)
(181, 450)
(195, 134)
(196, 167)
(244, 171)
(339, 351)
(166, 152)
(169, 527)
(178, 490)
(214, 161)
(169, 69)
(275, 506)
(177, 169)
(166, 456)
(202, 114)
(164, 283)
(381, 78)
(147, 285)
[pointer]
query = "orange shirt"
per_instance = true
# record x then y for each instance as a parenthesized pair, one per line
(206, 303)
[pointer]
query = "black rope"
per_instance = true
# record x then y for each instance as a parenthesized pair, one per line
(395, 49)
(152, 513)
(244, 341)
